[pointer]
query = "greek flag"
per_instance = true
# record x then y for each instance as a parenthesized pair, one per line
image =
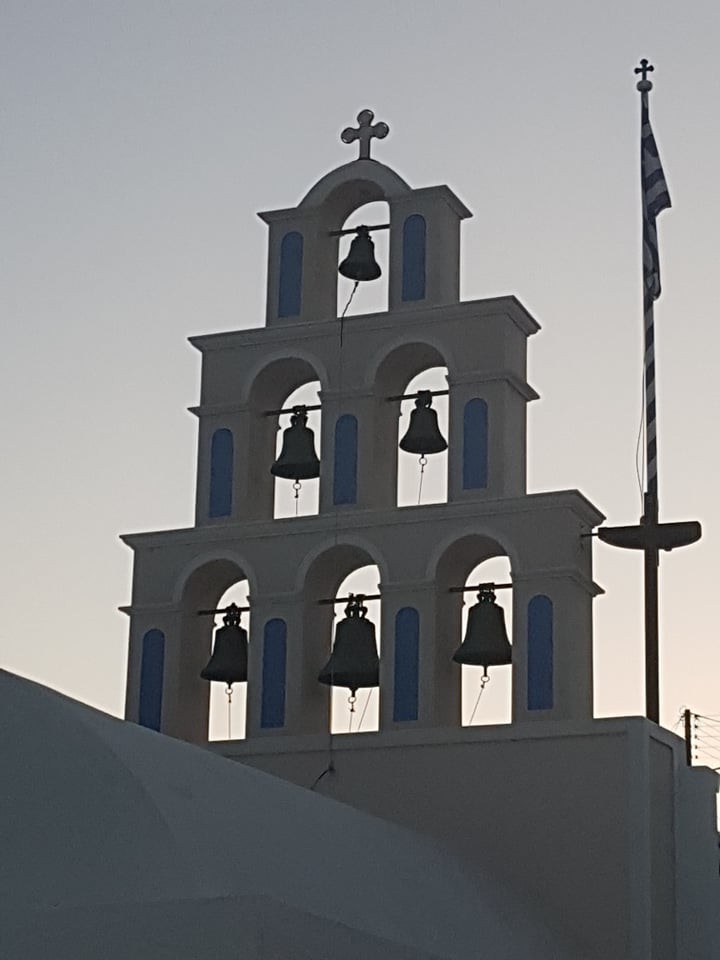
(655, 199)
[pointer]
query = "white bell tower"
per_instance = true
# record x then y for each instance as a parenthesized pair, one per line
(420, 551)
(589, 821)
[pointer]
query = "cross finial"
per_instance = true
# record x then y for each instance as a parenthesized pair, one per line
(364, 132)
(644, 85)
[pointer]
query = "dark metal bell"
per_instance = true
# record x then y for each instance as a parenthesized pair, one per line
(297, 460)
(360, 263)
(354, 661)
(486, 641)
(229, 660)
(423, 435)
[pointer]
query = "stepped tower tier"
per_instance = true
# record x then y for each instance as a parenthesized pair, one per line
(363, 364)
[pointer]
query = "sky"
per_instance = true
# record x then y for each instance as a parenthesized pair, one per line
(141, 138)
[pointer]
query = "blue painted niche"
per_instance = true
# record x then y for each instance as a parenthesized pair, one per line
(221, 473)
(540, 653)
(475, 445)
(407, 662)
(414, 254)
(290, 279)
(272, 713)
(346, 457)
(152, 668)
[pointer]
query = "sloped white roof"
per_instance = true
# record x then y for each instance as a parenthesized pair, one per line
(120, 842)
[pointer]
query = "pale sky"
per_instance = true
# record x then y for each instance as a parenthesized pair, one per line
(141, 138)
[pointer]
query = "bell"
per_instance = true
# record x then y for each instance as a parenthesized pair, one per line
(297, 460)
(228, 663)
(354, 659)
(360, 263)
(423, 435)
(486, 641)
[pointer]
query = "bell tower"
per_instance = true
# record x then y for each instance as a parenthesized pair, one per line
(595, 825)
(424, 553)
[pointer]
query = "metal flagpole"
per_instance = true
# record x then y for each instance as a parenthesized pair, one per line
(650, 535)
(651, 507)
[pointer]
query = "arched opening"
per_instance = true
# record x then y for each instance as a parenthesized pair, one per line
(299, 498)
(362, 715)
(487, 702)
(227, 713)
(336, 572)
(371, 296)
(423, 480)
(211, 586)
(405, 369)
(474, 559)
(282, 383)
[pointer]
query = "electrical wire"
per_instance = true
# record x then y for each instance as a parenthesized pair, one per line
(362, 715)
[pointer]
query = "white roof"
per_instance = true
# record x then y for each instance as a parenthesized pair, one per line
(120, 842)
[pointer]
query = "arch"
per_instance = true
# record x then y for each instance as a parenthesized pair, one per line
(345, 460)
(221, 473)
(454, 557)
(414, 252)
(152, 668)
(274, 668)
(330, 562)
(475, 444)
(206, 578)
(291, 271)
(349, 186)
(407, 665)
(276, 375)
(395, 365)
(540, 685)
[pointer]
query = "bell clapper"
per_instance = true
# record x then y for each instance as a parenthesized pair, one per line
(484, 681)
(297, 487)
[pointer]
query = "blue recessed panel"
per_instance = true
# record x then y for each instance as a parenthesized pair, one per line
(540, 653)
(152, 667)
(475, 445)
(274, 674)
(221, 474)
(407, 656)
(346, 456)
(414, 244)
(290, 283)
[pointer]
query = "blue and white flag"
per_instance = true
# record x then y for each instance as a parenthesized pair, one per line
(655, 199)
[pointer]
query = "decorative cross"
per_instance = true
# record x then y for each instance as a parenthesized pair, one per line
(365, 131)
(644, 85)
(645, 68)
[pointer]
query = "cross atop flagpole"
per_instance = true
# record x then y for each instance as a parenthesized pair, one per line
(650, 535)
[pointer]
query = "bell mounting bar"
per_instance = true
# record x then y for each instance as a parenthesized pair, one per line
(479, 587)
(359, 597)
(343, 233)
(420, 393)
(231, 608)
(297, 408)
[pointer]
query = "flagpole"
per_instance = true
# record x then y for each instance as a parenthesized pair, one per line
(651, 506)
(650, 535)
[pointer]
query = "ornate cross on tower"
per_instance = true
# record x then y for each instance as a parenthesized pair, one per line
(364, 132)
(643, 84)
